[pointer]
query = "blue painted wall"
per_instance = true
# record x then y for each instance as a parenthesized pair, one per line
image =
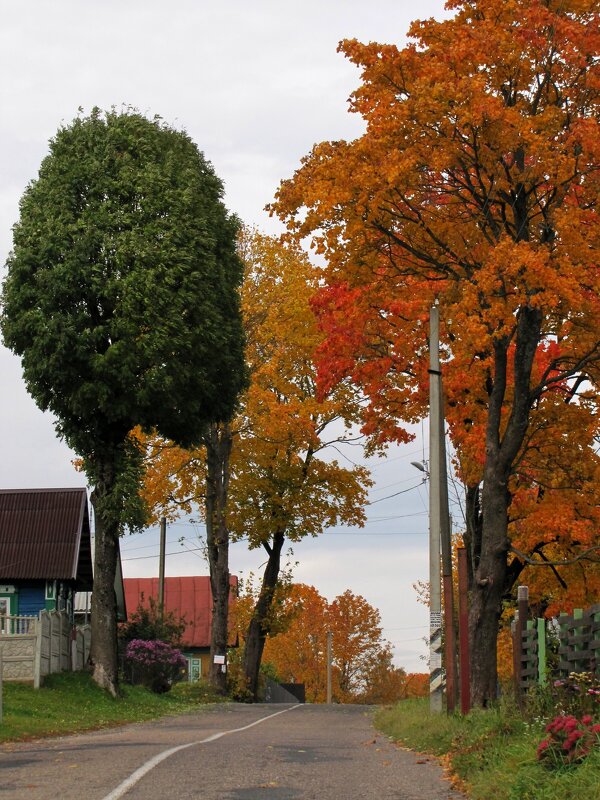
(32, 599)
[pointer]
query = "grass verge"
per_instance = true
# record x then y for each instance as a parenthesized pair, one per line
(71, 702)
(489, 753)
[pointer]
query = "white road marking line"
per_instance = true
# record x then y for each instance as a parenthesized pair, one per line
(136, 776)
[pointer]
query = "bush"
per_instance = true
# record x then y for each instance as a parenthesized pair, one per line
(577, 695)
(148, 622)
(155, 664)
(569, 741)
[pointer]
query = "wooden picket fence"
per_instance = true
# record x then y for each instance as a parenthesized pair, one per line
(579, 645)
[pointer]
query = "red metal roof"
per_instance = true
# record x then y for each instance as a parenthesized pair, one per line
(187, 597)
(45, 534)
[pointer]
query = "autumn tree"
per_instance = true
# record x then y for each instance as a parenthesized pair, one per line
(121, 299)
(299, 652)
(362, 668)
(476, 183)
(293, 484)
(358, 649)
(384, 683)
(282, 481)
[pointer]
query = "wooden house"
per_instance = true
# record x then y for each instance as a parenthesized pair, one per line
(45, 550)
(188, 599)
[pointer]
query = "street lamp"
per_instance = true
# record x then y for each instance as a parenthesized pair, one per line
(422, 466)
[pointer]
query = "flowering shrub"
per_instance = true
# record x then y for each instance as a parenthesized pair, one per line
(569, 741)
(579, 693)
(155, 664)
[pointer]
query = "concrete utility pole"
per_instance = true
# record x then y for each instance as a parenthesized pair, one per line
(161, 567)
(435, 511)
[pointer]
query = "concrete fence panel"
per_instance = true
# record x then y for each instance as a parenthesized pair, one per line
(35, 647)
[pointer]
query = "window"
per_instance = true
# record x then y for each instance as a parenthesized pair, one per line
(4, 613)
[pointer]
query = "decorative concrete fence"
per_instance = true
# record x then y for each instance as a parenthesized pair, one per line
(33, 647)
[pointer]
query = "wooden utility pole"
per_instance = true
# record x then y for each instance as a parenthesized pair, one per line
(448, 587)
(435, 509)
(329, 661)
(161, 567)
(463, 628)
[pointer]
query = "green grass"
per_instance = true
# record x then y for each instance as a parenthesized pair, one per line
(491, 754)
(71, 702)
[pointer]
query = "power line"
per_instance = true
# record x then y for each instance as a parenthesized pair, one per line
(373, 520)
(375, 533)
(176, 553)
(394, 483)
(387, 497)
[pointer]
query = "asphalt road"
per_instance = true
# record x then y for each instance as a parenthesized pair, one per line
(226, 752)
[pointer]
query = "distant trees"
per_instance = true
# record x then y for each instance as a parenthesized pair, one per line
(362, 668)
(121, 299)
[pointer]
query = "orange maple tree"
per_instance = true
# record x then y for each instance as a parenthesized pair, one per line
(280, 479)
(362, 668)
(475, 185)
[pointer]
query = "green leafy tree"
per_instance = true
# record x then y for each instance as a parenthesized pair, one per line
(121, 299)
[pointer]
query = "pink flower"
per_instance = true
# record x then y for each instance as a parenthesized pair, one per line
(543, 745)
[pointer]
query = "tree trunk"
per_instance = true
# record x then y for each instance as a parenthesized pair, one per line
(259, 624)
(103, 650)
(504, 440)
(218, 442)
(489, 585)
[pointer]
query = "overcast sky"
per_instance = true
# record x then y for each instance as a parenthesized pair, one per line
(255, 85)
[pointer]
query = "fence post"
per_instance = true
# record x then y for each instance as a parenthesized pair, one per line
(1, 676)
(563, 643)
(519, 627)
(541, 637)
(578, 646)
(530, 656)
(595, 620)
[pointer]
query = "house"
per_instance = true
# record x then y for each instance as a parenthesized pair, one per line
(187, 598)
(45, 550)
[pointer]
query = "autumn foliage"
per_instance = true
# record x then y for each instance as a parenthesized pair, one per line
(284, 480)
(475, 185)
(362, 668)
(279, 478)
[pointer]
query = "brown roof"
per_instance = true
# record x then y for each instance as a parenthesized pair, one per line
(187, 597)
(45, 534)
